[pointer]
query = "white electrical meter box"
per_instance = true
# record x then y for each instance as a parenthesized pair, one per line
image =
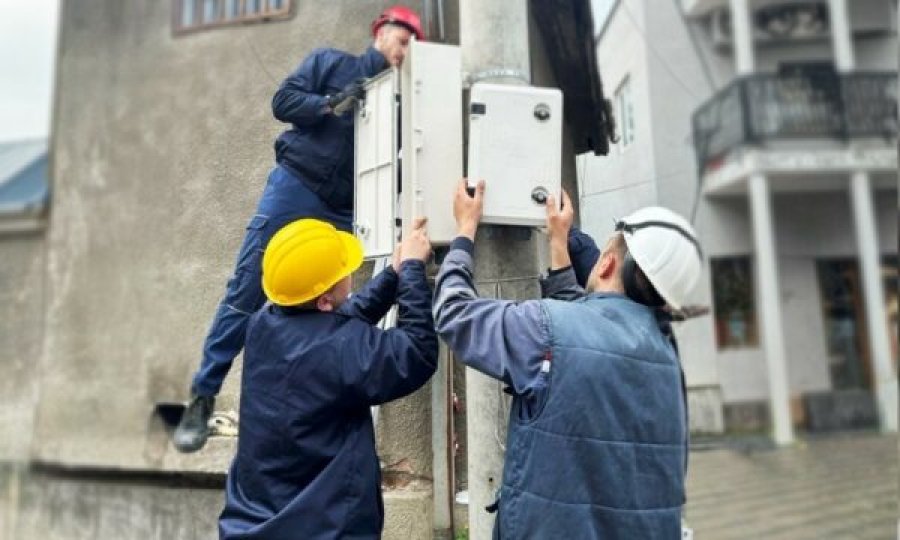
(375, 175)
(431, 136)
(515, 146)
(408, 136)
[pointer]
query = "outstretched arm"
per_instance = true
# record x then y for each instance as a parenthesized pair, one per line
(505, 340)
(372, 302)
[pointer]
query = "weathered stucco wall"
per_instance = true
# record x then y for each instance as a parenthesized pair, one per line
(21, 313)
(61, 506)
(163, 145)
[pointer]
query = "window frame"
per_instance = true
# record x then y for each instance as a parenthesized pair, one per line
(624, 100)
(265, 14)
(749, 309)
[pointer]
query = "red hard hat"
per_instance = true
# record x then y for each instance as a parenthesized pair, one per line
(401, 15)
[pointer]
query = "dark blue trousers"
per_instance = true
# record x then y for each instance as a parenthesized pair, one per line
(285, 199)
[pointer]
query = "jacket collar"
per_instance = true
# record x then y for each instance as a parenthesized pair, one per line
(292, 310)
(373, 62)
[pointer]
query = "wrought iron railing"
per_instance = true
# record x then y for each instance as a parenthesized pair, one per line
(759, 108)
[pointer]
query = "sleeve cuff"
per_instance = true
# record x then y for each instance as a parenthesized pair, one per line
(323, 107)
(551, 272)
(412, 263)
(464, 243)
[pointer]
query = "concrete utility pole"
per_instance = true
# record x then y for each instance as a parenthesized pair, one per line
(494, 36)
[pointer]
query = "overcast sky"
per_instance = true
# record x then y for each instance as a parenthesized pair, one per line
(27, 49)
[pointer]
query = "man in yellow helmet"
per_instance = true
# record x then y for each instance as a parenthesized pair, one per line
(314, 362)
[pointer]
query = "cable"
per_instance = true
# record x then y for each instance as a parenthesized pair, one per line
(654, 178)
(712, 85)
(655, 53)
(700, 56)
(678, 79)
(259, 61)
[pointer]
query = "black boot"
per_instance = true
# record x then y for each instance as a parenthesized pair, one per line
(193, 429)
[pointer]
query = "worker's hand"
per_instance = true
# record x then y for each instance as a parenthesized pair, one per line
(559, 222)
(415, 244)
(467, 208)
(345, 99)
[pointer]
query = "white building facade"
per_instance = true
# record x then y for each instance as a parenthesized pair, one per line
(772, 125)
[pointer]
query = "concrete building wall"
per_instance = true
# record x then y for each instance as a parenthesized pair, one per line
(673, 70)
(769, 57)
(61, 506)
(163, 145)
(611, 186)
(678, 84)
(876, 53)
(811, 227)
(21, 310)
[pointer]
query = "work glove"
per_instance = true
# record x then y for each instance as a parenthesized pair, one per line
(345, 99)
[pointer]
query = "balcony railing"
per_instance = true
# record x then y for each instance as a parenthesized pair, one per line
(760, 108)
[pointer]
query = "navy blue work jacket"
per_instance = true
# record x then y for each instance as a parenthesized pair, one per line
(318, 148)
(597, 437)
(306, 466)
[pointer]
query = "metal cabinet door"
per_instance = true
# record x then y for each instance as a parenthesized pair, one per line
(375, 182)
(515, 145)
(431, 111)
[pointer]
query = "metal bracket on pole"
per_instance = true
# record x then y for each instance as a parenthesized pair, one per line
(495, 73)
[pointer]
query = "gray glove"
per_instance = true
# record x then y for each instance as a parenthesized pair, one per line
(345, 99)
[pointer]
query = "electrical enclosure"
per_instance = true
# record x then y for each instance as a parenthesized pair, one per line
(515, 146)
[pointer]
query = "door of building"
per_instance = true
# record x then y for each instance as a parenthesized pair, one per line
(845, 325)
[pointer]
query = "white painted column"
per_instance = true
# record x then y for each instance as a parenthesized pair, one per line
(769, 308)
(742, 36)
(873, 290)
(841, 36)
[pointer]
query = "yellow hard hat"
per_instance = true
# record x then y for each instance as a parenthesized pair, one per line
(305, 259)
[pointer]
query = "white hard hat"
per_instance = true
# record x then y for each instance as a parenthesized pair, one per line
(664, 246)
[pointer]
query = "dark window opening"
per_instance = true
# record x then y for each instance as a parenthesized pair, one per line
(192, 15)
(734, 303)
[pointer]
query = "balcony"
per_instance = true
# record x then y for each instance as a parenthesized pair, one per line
(760, 108)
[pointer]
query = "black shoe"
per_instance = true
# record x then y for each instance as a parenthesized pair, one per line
(193, 429)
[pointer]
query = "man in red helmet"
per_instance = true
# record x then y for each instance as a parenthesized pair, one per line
(313, 178)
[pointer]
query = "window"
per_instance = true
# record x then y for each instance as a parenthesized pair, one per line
(192, 15)
(733, 303)
(625, 114)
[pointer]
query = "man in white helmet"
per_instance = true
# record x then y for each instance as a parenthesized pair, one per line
(597, 440)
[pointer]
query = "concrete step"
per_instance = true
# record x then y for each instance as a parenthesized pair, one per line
(408, 515)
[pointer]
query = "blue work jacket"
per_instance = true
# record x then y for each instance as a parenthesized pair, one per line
(318, 148)
(597, 429)
(306, 465)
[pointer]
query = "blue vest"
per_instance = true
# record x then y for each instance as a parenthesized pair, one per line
(599, 451)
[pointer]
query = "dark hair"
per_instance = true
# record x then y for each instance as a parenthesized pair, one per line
(637, 285)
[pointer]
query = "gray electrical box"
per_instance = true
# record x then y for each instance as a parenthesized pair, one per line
(515, 146)
(431, 112)
(409, 149)
(409, 140)
(376, 167)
